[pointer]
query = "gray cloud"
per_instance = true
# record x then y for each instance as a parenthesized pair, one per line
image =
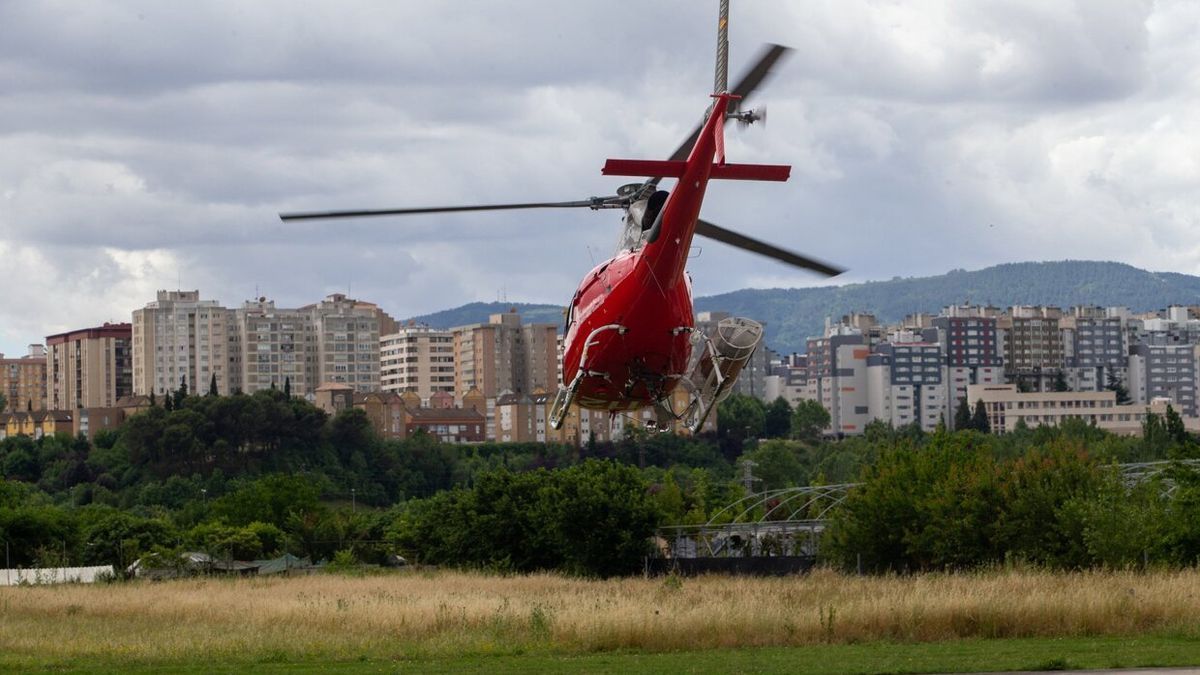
(145, 145)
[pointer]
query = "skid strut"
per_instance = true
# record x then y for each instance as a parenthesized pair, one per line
(566, 395)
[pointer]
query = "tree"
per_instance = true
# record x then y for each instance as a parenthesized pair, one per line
(1034, 525)
(1060, 381)
(979, 421)
(593, 519)
(920, 510)
(1182, 444)
(777, 464)
(778, 419)
(962, 415)
(741, 417)
(287, 386)
(181, 393)
(272, 499)
(605, 518)
(212, 385)
(809, 420)
(1155, 438)
(1113, 383)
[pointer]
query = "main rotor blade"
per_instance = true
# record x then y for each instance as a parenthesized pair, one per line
(707, 229)
(595, 203)
(759, 72)
(745, 86)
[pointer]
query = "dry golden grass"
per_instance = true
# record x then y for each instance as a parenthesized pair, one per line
(451, 613)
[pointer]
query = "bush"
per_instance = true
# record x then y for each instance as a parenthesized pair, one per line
(592, 519)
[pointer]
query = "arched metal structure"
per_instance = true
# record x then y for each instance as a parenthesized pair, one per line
(788, 522)
(811, 495)
(1138, 472)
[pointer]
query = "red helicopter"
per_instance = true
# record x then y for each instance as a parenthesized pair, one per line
(630, 329)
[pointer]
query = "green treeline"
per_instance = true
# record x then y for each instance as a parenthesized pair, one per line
(253, 476)
(1050, 497)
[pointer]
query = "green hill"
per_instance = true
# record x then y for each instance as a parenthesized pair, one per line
(478, 312)
(793, 314)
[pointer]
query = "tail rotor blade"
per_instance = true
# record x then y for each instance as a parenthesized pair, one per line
(707, 229)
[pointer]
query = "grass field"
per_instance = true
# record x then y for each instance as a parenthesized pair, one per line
(447, 620)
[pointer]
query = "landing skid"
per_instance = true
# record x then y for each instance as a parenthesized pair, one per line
(717, 361)
(566, 395)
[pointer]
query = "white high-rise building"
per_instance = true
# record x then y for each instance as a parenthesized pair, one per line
(346, 333)
(180, 336)
(274, 348)
(419, 359)
(258, 346)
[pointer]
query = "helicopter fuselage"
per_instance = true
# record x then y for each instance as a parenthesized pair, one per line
(630, 322)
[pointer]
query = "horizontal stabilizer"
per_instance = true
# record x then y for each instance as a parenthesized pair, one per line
(775, 172)
(674, 169)
(643, 167)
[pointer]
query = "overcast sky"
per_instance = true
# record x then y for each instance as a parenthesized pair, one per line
(150, 145)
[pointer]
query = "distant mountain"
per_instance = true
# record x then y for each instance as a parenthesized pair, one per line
(794, 314)
(478, 312)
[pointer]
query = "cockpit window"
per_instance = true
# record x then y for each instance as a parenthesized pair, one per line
(639, 220)
(653, 207)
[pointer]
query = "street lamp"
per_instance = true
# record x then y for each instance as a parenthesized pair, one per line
(353, 501)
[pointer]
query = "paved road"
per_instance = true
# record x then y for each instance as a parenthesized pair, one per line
(1113, 671)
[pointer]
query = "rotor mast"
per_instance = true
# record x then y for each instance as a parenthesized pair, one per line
(721, 79)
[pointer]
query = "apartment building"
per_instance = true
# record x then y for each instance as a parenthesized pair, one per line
(905, 383)
(1032, 346)
(486, 357)
(1094, 348)
(970, 339)
(788, 379)
(90, 367)
(347, 334)
(181, 337)
(540, 345)
(1006, 407)
(257, 346)
(417, 358)
(1164, 371)
(272, 348)
(23, 381)
(837, 378)
(503, 356)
